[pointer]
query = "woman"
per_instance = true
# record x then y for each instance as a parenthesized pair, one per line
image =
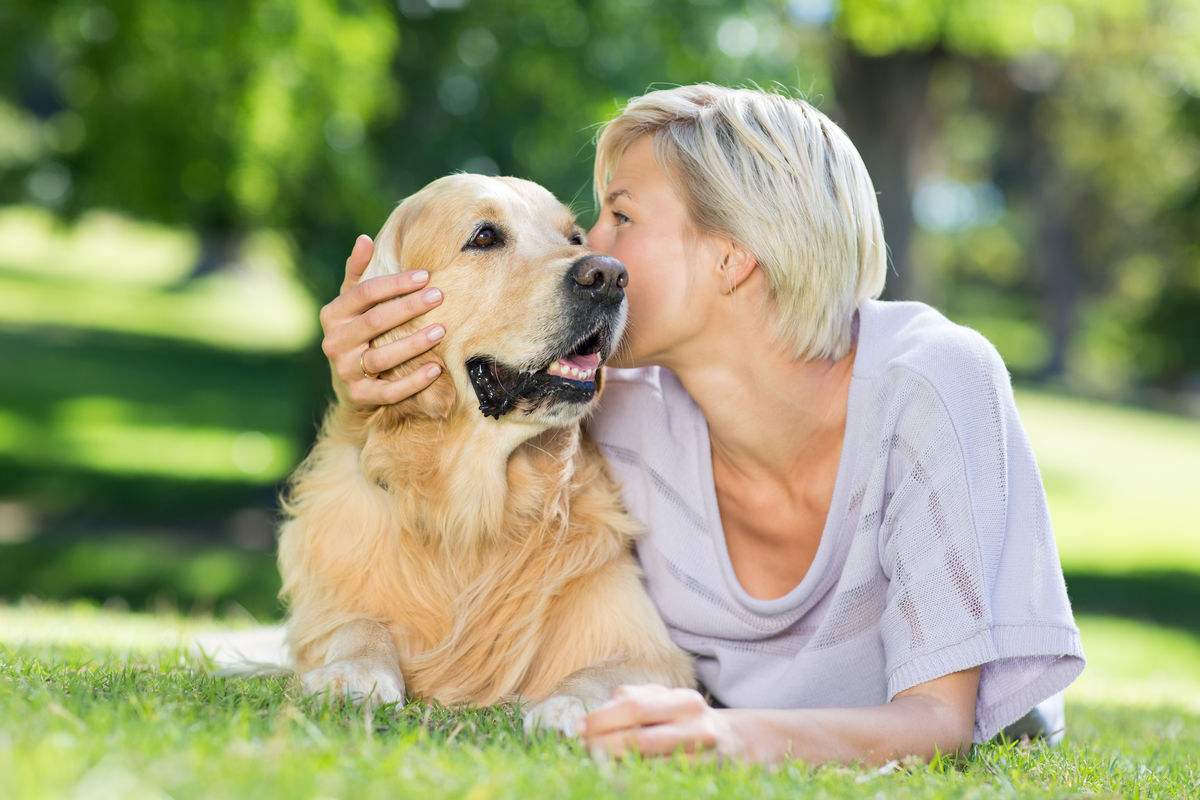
(845, 521)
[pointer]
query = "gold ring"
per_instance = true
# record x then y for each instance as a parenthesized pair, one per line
(363, 367)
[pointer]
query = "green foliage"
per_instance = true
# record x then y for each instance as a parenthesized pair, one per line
(1004, 30)
(314, 117)
(210, 114)
(1083, 117)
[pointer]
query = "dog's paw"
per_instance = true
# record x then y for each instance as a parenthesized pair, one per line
(561, 712)
(361, 681)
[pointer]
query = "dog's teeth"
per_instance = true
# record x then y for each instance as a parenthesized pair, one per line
(565, 369)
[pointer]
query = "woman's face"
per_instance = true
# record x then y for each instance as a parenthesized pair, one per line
(643, 224)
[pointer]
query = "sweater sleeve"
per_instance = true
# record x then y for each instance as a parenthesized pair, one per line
(974, 577)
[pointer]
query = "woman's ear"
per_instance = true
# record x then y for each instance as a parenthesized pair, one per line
(737, 264)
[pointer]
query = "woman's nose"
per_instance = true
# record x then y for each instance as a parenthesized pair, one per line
(596, 239)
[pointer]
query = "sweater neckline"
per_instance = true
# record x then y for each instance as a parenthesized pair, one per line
(818, 577)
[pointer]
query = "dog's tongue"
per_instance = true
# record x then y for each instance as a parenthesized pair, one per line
(589, 361)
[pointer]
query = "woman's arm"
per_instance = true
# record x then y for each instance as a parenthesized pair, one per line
(936, 716)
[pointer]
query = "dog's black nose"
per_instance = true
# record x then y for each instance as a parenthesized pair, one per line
(602, 277)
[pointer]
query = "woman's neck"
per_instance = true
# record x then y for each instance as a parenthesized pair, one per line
(770, 417)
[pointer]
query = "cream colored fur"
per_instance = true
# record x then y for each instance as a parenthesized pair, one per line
(432, 552)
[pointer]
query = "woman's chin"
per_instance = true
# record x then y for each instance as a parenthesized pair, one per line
(624, 359)
(631, 353)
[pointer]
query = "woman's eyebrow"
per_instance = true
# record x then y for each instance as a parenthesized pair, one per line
(617, 193)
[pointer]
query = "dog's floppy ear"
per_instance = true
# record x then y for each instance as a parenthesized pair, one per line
(390, 240)
(437, 399)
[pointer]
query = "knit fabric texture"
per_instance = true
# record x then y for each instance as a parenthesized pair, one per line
(937, 554)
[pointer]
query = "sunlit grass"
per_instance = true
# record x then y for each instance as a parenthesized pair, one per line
(100, 703)
(101, 247)
(82, 624)
(99, 331)
(1137, 663)
(112, 274)
(255, 311)
(1121, 482)
(106, 434)
(197, 576)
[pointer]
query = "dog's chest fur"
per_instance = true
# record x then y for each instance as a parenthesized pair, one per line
(474, 612)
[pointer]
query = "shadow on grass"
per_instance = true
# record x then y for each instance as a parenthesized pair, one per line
(91, 498)
(191, 573)
(145, 381)
(1163, 597)
(170, 381)
(143, 572)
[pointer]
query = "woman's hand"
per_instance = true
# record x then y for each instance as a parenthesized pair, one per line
(363, 311)
(937, 716)
(656, 721)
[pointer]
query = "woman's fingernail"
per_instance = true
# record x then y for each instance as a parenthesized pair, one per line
(420, 276)
(433, 295)
(433, 370)
(435, 333)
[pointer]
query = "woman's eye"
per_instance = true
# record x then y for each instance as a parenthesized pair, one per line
(485, 237)
(621, 218)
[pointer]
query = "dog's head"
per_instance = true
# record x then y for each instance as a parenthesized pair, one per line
(530, 312)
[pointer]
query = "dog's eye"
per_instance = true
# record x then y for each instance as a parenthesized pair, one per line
(485, 237)
(577, 239)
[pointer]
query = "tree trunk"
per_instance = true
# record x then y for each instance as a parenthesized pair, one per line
(884, 103)
(1028, 166)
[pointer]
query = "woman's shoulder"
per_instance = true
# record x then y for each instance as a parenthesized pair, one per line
(907, 340)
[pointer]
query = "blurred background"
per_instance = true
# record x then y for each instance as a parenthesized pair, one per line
(180, 184)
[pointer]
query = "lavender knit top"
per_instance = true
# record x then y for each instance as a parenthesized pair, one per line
(937, 554)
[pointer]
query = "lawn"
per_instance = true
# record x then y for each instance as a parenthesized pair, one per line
(96, 703)
(139, 455)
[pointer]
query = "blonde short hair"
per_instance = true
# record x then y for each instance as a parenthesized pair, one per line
(778, 177)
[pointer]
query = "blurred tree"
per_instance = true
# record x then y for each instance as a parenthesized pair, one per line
(1091, 150)
(214, 115)
(1074, 120)
(315, 116)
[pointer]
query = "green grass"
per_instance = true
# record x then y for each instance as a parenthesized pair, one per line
(111, 273)
(135, 391)
(1121, 482)
(99, 703)
(142, 572)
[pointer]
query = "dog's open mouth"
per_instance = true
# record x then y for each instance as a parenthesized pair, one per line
(571, 377)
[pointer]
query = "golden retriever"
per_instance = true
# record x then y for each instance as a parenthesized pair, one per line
(467, 545)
